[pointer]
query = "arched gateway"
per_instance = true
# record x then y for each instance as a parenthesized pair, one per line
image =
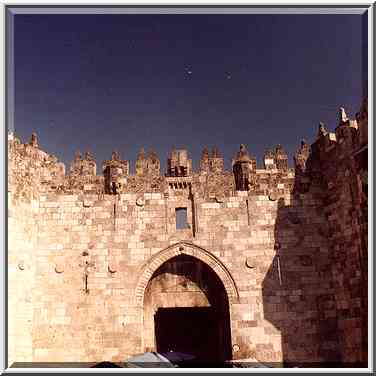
(186, 294)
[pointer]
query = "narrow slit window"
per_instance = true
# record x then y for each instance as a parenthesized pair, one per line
(181, 218)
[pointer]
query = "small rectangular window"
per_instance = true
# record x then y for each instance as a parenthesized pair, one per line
(181, 218)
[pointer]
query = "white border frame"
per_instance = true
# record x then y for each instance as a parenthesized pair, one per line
(54, 8)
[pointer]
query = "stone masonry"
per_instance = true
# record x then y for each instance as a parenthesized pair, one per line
(279, 254)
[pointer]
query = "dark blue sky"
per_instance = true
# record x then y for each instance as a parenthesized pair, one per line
(105, 82)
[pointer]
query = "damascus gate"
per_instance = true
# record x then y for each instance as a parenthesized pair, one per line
(265, 261)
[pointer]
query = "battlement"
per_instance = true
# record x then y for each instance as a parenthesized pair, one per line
(348, 136)
(45, 173)
(116, 179)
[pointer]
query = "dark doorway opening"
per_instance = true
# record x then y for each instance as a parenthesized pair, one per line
(190, 330)
(186, 310)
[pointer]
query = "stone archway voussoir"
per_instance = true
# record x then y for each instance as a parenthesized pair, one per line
(192, 250)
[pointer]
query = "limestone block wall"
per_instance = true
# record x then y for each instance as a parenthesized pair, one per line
(297, 289)
(21, 277)
(345, 207)
(22, 224)
(117, 235)
(91, 249)
(89, 270)
(289, 251)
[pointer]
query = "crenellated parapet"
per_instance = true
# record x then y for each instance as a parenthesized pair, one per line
(211, 162)
(281, 159)
(244, 169)
(141, 163)
(302, 179)
(153, 163)
(178, 163)
(216, 161)
(334, 155)
(115, 172)
(52, 173)
(212, 181)
(331, 147)
(346, 133)
(362, 121)
(269, 160)
(147, 164)
(301, 157)
(83, 175)
(83, 166)
(276, 159)
(34, 140)
(205, 161)
(32, 170)
(313, 164)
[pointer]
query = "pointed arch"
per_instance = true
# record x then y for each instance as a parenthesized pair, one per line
(188, 249)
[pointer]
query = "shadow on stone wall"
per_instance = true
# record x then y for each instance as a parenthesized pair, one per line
(297, 292)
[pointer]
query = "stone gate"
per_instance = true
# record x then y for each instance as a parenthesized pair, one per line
(102, 267)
